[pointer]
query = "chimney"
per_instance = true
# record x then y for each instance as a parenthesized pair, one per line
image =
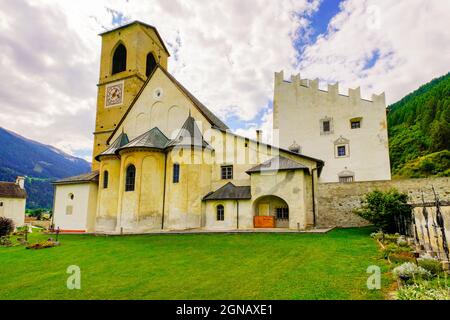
(259, 135)
(21, 182)
(295, 147)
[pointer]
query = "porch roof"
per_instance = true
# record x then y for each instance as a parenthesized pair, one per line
(278, 163)
(82, 178)
(230, 192)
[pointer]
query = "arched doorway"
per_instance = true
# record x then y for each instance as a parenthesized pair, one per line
(271, 208)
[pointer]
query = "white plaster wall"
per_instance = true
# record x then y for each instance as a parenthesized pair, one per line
(84, 207)
(14, 209)
(230, 215)
(298, 110)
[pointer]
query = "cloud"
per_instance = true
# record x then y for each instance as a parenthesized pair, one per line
(382, 46)
(225, 52)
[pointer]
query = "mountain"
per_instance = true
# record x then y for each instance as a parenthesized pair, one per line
(40, 163)
(419, 131)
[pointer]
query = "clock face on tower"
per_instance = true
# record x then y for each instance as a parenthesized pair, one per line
(114, 94)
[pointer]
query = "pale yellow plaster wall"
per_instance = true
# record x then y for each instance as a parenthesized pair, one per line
(287, 185)
(107, 209)
(13, 208)
(230, 215)
(141, 209)
(184, 206)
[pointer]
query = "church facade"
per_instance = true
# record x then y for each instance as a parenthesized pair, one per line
(163, 161)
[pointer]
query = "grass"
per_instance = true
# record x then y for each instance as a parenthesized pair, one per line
(207, 266)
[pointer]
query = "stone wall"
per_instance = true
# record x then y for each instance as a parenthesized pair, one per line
(338, 200)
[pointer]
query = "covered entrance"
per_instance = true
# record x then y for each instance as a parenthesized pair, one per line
(270, 212)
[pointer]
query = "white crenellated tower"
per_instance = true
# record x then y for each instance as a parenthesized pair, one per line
(347, 132)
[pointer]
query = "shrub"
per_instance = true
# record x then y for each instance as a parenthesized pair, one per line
(401, 257)
(6, 226)
(392, 248)
(379, 235)
(422, 292)
(391, 238)
(409, 272)
(382, 208)
(43, 245)
(402, 242)
(5, 241)
(430, 264)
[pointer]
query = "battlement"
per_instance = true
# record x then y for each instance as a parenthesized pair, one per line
(333, 89)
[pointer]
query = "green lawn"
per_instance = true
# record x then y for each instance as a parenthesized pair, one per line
(208, 266)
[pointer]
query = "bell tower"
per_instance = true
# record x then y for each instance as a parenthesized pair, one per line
(129, 55)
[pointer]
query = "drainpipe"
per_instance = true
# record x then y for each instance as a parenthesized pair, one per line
(53, 207)
(313, 197)
(164, 191)
(237, 214)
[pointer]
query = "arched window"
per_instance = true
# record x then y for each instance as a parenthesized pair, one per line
(176, 173)
(130, 178)
(105, 179)
(220, 213)
(119, 59)
(151, 64)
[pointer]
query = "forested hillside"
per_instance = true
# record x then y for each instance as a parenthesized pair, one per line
(419, 131)
(40, 163)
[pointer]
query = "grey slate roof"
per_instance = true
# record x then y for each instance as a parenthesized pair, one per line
(279, 163)
(230, 192)
(151, 139)
(117, 144)
(142, 24)
(12, 190)
(82, 178)
(189, 135)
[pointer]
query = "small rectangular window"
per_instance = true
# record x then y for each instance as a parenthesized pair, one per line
(326, 126)
(282, 214)
(1, 204)
(346, 179)
(69, 210)
(105, 179)
(227, 172)
(176, 173)
(341, 151)
(356, 124)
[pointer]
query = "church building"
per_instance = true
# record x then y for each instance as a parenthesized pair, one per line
(163, 161)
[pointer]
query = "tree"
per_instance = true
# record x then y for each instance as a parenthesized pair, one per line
(385, 209)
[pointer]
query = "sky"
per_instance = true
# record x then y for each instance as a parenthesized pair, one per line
(224, 51)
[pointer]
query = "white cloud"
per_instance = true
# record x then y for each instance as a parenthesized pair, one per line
(411, 36)
(225, 52)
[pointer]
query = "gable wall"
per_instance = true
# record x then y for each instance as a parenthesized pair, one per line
(168, 113)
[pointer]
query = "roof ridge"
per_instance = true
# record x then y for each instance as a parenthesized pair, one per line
(208, 114)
